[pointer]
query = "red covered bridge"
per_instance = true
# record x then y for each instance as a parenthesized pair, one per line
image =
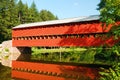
(80, 31)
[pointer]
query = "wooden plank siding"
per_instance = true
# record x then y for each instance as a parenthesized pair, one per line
(83, 34)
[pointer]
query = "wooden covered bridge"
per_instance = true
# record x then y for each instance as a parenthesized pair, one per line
(80, 31)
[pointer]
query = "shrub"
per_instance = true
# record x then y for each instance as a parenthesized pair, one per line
(113, 73)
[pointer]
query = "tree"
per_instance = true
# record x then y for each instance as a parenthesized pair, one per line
(33, 13)
(109, 11)
(8, 18)
(20, 7)
(46, 15)
(13, 13)
(26, 13)
(110, 14)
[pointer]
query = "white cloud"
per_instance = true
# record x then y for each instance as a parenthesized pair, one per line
(76, 4)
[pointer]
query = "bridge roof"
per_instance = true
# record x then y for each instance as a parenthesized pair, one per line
(62, 21)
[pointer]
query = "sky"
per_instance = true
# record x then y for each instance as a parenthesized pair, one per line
(67, 8)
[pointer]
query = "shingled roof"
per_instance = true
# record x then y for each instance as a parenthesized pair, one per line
(62, 21)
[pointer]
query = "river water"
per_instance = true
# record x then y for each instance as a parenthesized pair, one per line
(5, 73)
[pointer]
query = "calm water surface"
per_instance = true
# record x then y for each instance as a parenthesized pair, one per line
(5, 73)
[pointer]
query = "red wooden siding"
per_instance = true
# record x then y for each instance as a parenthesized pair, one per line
(73, 28)
(72, 34)
(42, 71)
(91, 41)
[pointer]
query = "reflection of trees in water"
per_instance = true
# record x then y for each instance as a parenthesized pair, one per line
(5, 73)
(73, 54)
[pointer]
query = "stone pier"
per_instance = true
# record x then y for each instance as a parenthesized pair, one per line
(9, 53)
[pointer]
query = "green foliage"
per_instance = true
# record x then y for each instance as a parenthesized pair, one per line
(5, 73)
(7, 20)
(88, 56)
(34, 15)
(72, 54)
(20, 10)
(113, 73)
(13, 13)
(105, 55)
(46, 15)
(110, 13)
(115, 30)
(109, 10)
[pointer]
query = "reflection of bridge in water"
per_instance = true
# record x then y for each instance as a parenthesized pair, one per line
(81, 31)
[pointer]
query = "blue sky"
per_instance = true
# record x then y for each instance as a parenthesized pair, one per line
(67, 8)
